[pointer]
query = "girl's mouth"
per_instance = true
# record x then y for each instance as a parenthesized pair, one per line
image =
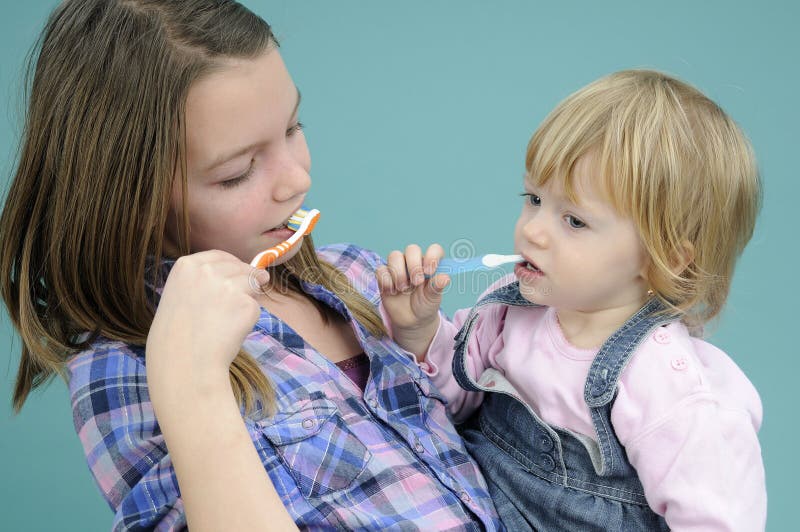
(282, 232)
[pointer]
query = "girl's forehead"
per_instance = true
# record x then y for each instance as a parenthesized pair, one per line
(244, 103)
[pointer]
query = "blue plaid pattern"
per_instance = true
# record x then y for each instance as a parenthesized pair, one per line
(389, 458)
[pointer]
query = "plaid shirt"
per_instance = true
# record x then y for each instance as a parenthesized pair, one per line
(389, 458)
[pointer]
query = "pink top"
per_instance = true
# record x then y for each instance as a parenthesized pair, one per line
(685, 413)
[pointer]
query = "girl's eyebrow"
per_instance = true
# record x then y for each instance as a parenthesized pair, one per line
(227, 157)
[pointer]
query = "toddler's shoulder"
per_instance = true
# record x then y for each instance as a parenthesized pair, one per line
(670, 366)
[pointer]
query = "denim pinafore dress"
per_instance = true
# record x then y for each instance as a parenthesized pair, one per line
(547, 478)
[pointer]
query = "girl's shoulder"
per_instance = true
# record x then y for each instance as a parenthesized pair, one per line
(357, 264)
(345, 256)
(104, 359)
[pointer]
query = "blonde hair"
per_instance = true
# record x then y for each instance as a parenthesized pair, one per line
(86, 211)
(672, 161)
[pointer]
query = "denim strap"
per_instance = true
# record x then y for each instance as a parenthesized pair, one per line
(616, 351)
(505, 295)
(601, 383)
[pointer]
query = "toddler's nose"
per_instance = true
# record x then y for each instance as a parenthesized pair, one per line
(536, 232)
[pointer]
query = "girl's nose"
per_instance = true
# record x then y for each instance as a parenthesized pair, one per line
(293, 180)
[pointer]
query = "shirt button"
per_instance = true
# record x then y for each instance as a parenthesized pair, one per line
(465, 496)
(679, 364)
(308, 424)
(373, 403)
(424, 366)
(661, 336)
(419, 448)
(546, 462)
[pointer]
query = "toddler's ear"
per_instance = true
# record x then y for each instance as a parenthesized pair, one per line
(682, 257)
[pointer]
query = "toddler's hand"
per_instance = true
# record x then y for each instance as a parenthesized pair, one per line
(410, 299)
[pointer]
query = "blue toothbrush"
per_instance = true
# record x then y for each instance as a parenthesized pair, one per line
(486, 262)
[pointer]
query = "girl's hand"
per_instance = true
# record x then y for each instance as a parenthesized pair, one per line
(207, 307)
(412, 301)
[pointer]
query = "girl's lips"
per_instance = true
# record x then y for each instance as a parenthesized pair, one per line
(281, 233)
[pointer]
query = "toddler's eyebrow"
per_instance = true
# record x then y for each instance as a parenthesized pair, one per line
(225, 158)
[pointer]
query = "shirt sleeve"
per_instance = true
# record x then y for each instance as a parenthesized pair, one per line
(483, 345)
(438, 364)
(124, 447)
(697, 455)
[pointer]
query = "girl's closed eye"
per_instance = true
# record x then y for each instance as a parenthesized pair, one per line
(230, 183)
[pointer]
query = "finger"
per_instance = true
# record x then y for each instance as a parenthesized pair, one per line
(440, 282)
(416, 275)
(433, 255)
(436, 286)
(430, 296)
(257, 281)
(396, 263)
(384, 278)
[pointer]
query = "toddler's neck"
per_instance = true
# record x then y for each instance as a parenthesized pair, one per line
(588, 330)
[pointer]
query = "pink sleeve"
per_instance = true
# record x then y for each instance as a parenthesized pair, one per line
(484, 344)
(688, 419)
(439, 358)
(702, 469)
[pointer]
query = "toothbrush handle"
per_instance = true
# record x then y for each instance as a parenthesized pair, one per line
(457, 266)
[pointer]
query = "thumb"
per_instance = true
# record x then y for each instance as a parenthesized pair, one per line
(257, 279)
(433, 289)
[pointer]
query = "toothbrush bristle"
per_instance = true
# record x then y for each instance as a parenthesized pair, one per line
(296, 219)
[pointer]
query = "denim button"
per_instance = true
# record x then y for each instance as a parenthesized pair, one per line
(597, 390)
(545, 442)
(546, 461)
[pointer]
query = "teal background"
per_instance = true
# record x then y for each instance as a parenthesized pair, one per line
(417, 115)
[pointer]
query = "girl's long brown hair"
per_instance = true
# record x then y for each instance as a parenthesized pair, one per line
(86, 210)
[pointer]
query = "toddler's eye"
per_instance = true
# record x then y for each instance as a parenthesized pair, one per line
(575, 223)
(533, 199)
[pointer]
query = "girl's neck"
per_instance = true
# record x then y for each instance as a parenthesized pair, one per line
(588, 330)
